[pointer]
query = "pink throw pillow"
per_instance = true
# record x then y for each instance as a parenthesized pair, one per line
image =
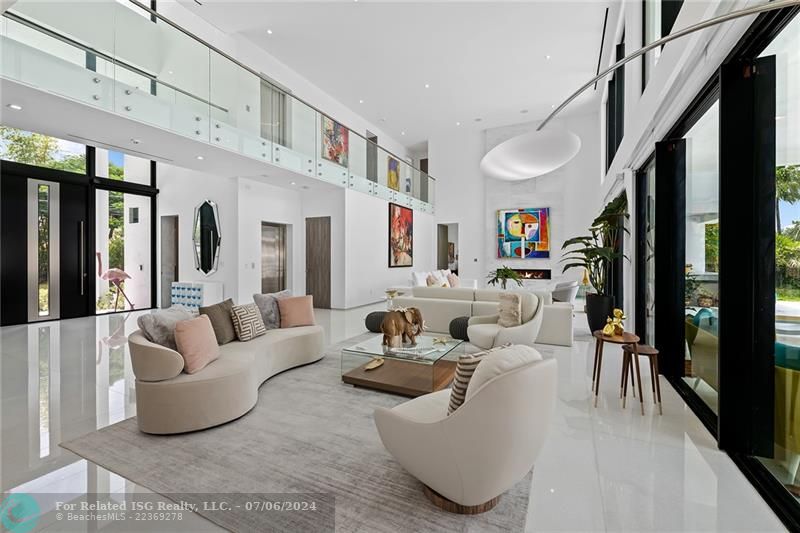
(196, 342)
(432, 281)
(297, 311)
(452, 279)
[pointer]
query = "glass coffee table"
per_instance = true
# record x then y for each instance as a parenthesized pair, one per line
(409, 370)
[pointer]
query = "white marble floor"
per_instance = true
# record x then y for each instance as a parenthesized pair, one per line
(602, 469)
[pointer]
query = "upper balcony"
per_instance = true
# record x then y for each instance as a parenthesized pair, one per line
(123, 58)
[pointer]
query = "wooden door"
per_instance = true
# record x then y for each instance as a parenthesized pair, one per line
(318, 260)
(169, 257)
(441, 247)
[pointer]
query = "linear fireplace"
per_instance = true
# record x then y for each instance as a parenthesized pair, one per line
(533, 273)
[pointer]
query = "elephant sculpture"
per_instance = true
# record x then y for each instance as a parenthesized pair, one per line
(405, 323)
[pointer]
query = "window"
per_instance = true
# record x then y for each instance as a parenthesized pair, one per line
(659, 17)
(41, 150)
(123, 251)
(702, 251)
(785, 463)
(122, 167)
(615, 107)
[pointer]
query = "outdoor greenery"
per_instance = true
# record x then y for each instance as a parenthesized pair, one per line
(787, 188)
(42, 150)
(712, 247)
(595, 253)
(787, 240)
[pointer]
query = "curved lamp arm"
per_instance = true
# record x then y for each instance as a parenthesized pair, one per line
(771, 6)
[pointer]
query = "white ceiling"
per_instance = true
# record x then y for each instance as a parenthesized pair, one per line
(484, 60)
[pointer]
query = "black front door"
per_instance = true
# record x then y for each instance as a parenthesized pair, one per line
(45, 241)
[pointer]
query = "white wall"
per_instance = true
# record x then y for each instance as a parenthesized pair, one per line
(367, 249)
(181, 190)
(257, 203)
(465, 197)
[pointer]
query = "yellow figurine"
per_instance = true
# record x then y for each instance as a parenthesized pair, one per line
(614, 324)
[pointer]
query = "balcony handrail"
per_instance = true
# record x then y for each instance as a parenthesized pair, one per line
(88, 49)
(210, 46)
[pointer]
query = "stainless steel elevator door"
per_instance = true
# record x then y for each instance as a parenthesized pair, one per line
(273, 257)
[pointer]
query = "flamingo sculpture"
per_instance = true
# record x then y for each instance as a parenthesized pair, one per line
(116, 276)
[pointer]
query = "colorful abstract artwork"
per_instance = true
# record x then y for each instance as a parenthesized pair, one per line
(335, 138)
(523, 233)
(401, 236)
(393, 174)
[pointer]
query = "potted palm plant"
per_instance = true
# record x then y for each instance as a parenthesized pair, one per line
(595, 253)
(502, 275)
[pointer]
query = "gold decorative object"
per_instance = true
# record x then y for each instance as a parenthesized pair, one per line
(614, 324)
(391, 294)
(440, 340)
(374, 363)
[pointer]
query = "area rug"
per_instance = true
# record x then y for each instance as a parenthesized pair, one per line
(310, 433)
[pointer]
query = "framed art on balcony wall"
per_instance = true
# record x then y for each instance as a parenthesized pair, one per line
(335, 140)
(401, 236)
(393, 174)
(523, 233)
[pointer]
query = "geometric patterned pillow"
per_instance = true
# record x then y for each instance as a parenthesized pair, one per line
(247, 322)
(467, 363)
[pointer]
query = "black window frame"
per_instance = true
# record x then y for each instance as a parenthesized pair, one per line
(615, 106)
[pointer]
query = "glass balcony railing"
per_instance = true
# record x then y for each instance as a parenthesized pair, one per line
(124, 58)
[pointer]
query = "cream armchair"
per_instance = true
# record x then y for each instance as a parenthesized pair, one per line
(486, 446)
(485, 332)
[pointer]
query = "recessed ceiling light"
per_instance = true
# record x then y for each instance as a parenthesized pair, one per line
(293, 183)
(427, 86)
(402, 133)
(524, 111)
(552, 106)
(780, 117)
(135, 141)
(169, 72)
(458, 123)
(361, 101)
(200, 157)
(547, 57)
(269, 32)
(15, 107)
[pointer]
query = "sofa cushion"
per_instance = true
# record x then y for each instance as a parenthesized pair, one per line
(465, 368)
(419, 279)
(196, 342)
(432, 281)
(445, 293)
(297, 311)
(499, 362)
(268, 306)
(453, 281)
(436, 312)
(484, 308)
(247, 322)
(159, 325)
(220, 317)
(510, 310)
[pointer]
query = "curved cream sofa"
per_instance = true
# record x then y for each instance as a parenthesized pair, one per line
(169, 401)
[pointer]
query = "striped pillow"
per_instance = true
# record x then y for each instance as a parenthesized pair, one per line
(247, 322)
(465, 367)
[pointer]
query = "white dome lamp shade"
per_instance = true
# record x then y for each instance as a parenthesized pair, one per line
(531, 154)
(538, 152)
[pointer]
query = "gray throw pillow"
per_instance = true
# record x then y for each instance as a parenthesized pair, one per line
(268, 306)
(159, 325)
(220, 317)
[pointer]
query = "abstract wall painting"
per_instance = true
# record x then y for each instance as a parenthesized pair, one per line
(523, 233)
(335, 140)
(393, 173)
(401, 236)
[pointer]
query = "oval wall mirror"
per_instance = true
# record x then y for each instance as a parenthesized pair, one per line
(206, 237)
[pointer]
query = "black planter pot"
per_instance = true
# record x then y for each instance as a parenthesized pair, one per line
(598, 308)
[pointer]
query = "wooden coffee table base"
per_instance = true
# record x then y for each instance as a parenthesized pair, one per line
(452, 507)
(403, 377)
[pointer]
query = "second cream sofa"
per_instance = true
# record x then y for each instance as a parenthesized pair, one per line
(170, 401)
(440, 305)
